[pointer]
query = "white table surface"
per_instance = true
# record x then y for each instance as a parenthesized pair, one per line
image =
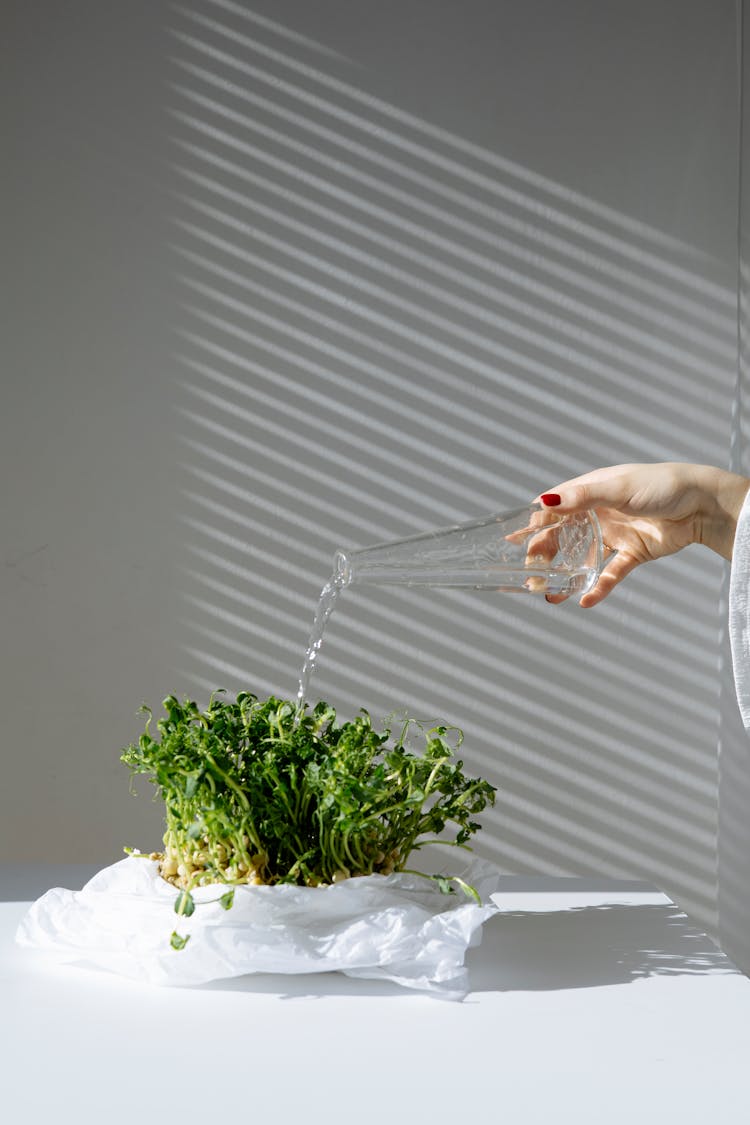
(592, 1001)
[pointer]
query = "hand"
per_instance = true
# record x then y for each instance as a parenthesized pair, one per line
(649, 511)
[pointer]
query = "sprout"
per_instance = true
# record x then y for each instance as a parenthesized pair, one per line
(265, 792)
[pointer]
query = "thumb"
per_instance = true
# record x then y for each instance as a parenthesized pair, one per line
(604, 488)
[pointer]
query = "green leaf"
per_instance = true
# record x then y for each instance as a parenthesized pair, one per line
(299, 793)
(469, 891)
(191, 784)
(184, 904)
(177, 941)
(227, 900)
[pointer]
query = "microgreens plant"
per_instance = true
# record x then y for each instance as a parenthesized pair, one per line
(265, 792)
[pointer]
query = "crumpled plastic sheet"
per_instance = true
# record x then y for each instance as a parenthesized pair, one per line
(398, 927)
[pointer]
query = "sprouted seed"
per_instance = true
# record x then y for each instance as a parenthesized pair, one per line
(261, 792)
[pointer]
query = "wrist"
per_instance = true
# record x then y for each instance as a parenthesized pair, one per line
(722, 496)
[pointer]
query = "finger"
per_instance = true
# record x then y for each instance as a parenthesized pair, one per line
(541, 549)
(614, 572)
(612, 575)
(543, 545)
(539, 522)
(556, 599)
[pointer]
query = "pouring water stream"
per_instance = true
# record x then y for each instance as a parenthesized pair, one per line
(529, 550)
(328, 598)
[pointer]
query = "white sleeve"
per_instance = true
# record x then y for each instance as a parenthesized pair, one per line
(739, 611)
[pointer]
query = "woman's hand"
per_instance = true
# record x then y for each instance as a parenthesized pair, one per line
(649, 511)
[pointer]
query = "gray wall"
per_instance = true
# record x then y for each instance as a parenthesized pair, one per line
(734, 761)
(288, 276)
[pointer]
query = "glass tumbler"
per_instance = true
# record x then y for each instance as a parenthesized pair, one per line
(530, 550)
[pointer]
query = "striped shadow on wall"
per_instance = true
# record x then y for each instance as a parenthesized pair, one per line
(384, 327)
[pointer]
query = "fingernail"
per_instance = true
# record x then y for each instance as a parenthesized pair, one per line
(551, 499)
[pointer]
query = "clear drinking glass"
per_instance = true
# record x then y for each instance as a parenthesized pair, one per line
(530, 550)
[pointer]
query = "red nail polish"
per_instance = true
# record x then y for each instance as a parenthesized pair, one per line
(551, 499)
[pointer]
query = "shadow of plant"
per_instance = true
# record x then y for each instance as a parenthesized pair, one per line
(585, 947)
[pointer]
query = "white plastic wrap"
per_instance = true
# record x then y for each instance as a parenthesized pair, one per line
(397, 927)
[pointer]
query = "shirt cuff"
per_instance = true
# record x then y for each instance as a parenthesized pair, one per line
(739, 611)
